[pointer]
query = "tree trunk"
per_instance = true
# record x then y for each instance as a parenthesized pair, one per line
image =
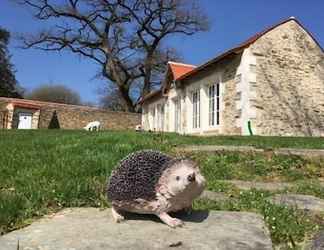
(147, 78)
(122, 85)
(129, 106)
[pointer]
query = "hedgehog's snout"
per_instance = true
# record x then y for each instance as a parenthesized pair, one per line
(191, 177)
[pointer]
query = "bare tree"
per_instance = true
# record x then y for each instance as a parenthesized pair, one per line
(55, 93)
(123, 36)
(110, 97)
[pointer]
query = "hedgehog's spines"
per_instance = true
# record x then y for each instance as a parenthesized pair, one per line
(136, 175)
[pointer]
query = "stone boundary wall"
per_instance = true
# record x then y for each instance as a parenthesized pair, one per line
(77, 117)
(3, 111)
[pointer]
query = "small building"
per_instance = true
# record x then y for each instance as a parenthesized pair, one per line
(272, 84)
(30, 114)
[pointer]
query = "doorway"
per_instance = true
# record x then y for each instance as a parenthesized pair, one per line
(25, 121)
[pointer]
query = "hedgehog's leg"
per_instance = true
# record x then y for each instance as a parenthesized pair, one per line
(117, 216)
(172, 222)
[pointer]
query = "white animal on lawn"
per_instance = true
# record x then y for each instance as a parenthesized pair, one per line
(138, 128)
(93, 126)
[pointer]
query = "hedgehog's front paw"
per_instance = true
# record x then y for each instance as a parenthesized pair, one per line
(117, 216)
(176, 223)
(172, 222)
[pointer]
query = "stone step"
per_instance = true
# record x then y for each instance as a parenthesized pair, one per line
(268, 186)
(303, 202)
(299, 201)
(306, 153)
(214, 196)
(90, 228)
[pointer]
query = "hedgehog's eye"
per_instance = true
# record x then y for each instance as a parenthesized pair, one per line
(178, 178)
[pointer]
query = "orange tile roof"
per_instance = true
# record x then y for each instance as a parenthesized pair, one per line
(177, 69)
(180, 69)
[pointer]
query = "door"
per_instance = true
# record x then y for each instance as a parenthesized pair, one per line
(25, 121)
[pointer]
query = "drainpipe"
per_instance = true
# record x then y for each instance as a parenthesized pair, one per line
(250, 127)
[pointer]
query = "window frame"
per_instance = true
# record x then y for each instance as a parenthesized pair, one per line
(214, 104)
(177, 114)
(196, 109)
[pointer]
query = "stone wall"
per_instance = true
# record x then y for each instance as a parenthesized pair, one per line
(231, 111)
(245, 80)
(290, 83)
(77, 117)
(3, 111)
(2, 118)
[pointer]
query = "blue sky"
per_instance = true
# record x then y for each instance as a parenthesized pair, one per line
(232, 22)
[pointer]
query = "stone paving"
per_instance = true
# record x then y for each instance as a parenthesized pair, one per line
(268, 186)
(90, 228)
(303, 202)
(311, 153)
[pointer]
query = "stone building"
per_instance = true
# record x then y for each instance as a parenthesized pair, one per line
(30, 114)
(272, 84)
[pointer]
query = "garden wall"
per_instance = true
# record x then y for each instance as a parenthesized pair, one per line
(77, 117)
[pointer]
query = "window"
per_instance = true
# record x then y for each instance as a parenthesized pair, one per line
(153, 118)
(214, 104)
(196, 109)
(177, 115)
(160, 117)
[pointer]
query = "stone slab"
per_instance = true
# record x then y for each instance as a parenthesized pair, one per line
(214, 196)
(268, 186)
(306, 153)
(218, 148)
(317, 243)
(304, 202)
(90, 228)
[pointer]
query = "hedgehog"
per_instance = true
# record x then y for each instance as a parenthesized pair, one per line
(150, 182)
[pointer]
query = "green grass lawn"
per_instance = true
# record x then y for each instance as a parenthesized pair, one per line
(259, 167)
(46, 170)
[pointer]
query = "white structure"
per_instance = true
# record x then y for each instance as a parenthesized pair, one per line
(265, 86)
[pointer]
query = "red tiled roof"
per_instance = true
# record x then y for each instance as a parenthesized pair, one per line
(177, 70)
(246, 44)
(180, 69)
